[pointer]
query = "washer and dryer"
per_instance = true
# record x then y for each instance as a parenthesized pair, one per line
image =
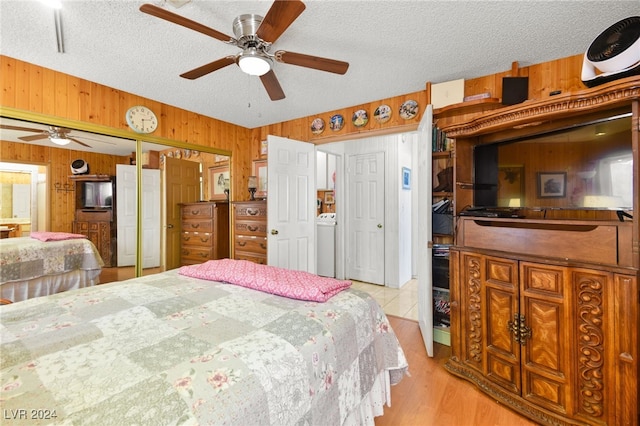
(326, 244)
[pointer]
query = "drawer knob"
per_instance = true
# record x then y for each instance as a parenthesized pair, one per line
(242, 243)
(253, 212)
(195, 225)
(252, 228)
(186, 238)
(204, 239)
(195, 212)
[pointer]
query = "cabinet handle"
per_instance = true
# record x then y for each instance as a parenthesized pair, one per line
(204, 239)
(242, 243)
(195, 212)
(263, 245)
(519, 329)
(186, 238)
(203, 255)
(252, 212)
(252, 228)
(195, 225)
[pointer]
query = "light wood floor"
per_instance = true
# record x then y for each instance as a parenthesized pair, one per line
(432, 396)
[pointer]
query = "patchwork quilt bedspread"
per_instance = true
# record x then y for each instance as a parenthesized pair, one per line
(171, 349)
(25, 258)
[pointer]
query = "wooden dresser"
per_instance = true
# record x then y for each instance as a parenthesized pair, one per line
(205, 232)
(250, 225)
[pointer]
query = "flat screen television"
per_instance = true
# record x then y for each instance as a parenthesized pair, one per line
(588, 165)
(96, 195)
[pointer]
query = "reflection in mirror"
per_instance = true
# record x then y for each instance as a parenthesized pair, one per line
(586, 166)
(185, 177)
(50, 155)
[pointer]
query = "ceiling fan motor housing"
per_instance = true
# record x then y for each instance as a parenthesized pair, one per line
(614, 54)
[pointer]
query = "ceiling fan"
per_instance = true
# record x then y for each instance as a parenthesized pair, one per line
(255, 36)
(57, 135)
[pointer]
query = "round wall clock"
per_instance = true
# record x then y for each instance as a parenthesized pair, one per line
(141, 119)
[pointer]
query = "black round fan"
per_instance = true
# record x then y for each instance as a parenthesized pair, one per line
(613, 54)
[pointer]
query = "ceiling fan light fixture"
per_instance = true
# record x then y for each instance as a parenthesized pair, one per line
(60, 140)
(254, 63)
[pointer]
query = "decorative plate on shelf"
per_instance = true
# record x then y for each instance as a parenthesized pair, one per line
(409, 109)
(360, 118)
(317, 126)
(382, 114)
(337, 122)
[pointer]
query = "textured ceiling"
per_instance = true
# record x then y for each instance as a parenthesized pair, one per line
(393, 47)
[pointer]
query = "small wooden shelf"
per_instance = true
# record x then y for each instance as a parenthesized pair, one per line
(479, 105)
(441, 154)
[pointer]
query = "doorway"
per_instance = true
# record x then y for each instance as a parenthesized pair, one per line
(23, 188)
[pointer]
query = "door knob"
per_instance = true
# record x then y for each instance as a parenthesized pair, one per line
(274, 232)
(379, 226)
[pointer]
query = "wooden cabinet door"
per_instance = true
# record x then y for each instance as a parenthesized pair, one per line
(500, 290)
(546, 304)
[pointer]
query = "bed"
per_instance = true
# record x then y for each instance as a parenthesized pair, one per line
(32, 267)
(174, 349)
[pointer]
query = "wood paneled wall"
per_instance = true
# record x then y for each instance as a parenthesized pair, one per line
(36, 89)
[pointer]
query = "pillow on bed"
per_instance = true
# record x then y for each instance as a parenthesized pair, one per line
(55, 236)
(270, 279)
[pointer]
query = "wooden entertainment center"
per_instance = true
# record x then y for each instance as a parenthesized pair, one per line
(98, 223)
(545, 305)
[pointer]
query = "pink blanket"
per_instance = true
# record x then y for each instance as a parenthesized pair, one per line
(270, 279)
(55, 236)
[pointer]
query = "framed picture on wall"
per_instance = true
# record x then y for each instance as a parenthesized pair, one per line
(406, 178)
(219, 180)
(552, 184)
(260, 171)
(328, 198)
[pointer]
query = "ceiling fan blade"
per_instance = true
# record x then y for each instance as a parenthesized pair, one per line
(21, 129)
(271, 84)
(81, 143)
(278, 18)
(315, 62)
(34, 137)
(209, 68)
(161, 13)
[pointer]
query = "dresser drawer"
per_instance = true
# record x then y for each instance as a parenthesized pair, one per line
(197, 225)
(194, 254)
(251, 211)
(197, 239)
(195, 211)
(251, 244)
(252, 257)
(253, 228)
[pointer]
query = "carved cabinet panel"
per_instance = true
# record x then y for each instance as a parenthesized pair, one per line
(539, 336)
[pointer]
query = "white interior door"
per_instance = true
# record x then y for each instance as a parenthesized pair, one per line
(151, 218)
(365, 216)
(21, 206)
(126, 201)
(126, 187)
(423, 254)
(291, 206)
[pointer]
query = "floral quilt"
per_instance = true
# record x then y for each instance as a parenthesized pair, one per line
(171, 349)
(25, 258)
